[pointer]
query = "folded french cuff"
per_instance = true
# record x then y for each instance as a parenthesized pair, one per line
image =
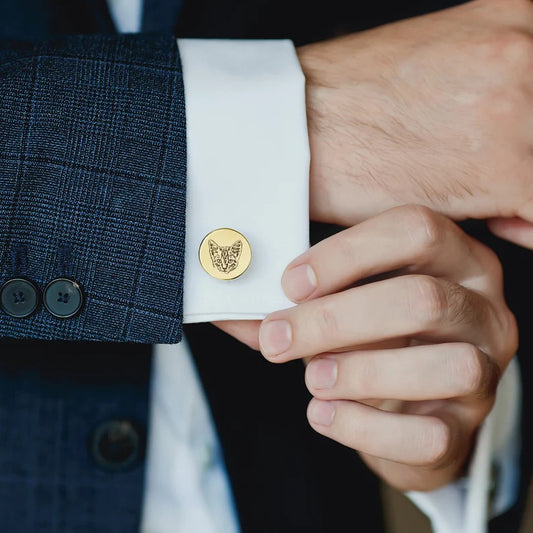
(247, 175)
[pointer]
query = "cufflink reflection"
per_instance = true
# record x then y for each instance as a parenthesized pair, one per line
(225, 254)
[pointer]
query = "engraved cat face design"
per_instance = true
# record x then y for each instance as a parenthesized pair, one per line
(225, 258)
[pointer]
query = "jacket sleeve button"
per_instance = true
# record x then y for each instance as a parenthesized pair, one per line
(19, 297)
(63, 298)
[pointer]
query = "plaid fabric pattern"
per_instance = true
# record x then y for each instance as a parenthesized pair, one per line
(53, 396)
(93, 161)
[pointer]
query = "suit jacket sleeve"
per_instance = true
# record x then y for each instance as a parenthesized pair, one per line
(92, 183)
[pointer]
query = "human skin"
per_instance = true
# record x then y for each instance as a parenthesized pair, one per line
(435, 111)
(403, 324)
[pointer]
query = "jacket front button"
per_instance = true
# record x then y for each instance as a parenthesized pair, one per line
(63, 298)
(117, 444)
(19, 297)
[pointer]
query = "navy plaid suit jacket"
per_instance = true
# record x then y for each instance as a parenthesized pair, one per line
(92, 187)
(93, 160)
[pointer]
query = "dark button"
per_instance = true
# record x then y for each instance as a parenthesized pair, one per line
(63, 298)
(19, 297)
(117, 444)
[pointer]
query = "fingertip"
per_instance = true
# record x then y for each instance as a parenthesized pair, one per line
(246, 331)
(321, 374)
(500, 224)
(299, 282)
(275, 338)
(515, 230)
(320, 413)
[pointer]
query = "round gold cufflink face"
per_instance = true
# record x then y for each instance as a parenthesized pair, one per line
(225, 253)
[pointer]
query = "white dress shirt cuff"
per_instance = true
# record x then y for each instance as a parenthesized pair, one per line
(247, 169)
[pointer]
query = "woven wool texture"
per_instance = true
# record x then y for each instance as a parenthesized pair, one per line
(93, 161)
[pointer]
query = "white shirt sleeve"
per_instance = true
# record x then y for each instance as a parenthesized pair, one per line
(247, 169)
(126, 14)
(492, 484)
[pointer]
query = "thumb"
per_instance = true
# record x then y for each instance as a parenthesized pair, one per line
(246, 331)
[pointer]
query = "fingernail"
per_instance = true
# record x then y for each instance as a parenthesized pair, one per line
(322, 373)
(275, 337)
(299, 282)
(321, 413)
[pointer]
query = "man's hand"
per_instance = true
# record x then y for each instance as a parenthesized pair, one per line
(405, 324)
(435, 110)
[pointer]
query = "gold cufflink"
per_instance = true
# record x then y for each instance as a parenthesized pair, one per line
(225, 253)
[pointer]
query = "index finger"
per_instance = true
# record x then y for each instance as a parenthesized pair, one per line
(410, 237)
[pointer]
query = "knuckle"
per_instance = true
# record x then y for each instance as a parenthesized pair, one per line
(492, 265)
(479, 375)
(512, 332)
(505, 57)
(424, 227)
(483, 409)
(436, 441)
(345, 249)
(368, 377)
(508, 335)
(328, 326)
(427, 300)
(512, 49)
(462, 308)
(520, 7)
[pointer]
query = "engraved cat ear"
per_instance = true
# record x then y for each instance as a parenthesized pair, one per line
(214, 251)
(213, 246)
(236, 249)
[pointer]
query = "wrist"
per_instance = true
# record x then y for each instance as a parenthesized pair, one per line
(343, 183)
